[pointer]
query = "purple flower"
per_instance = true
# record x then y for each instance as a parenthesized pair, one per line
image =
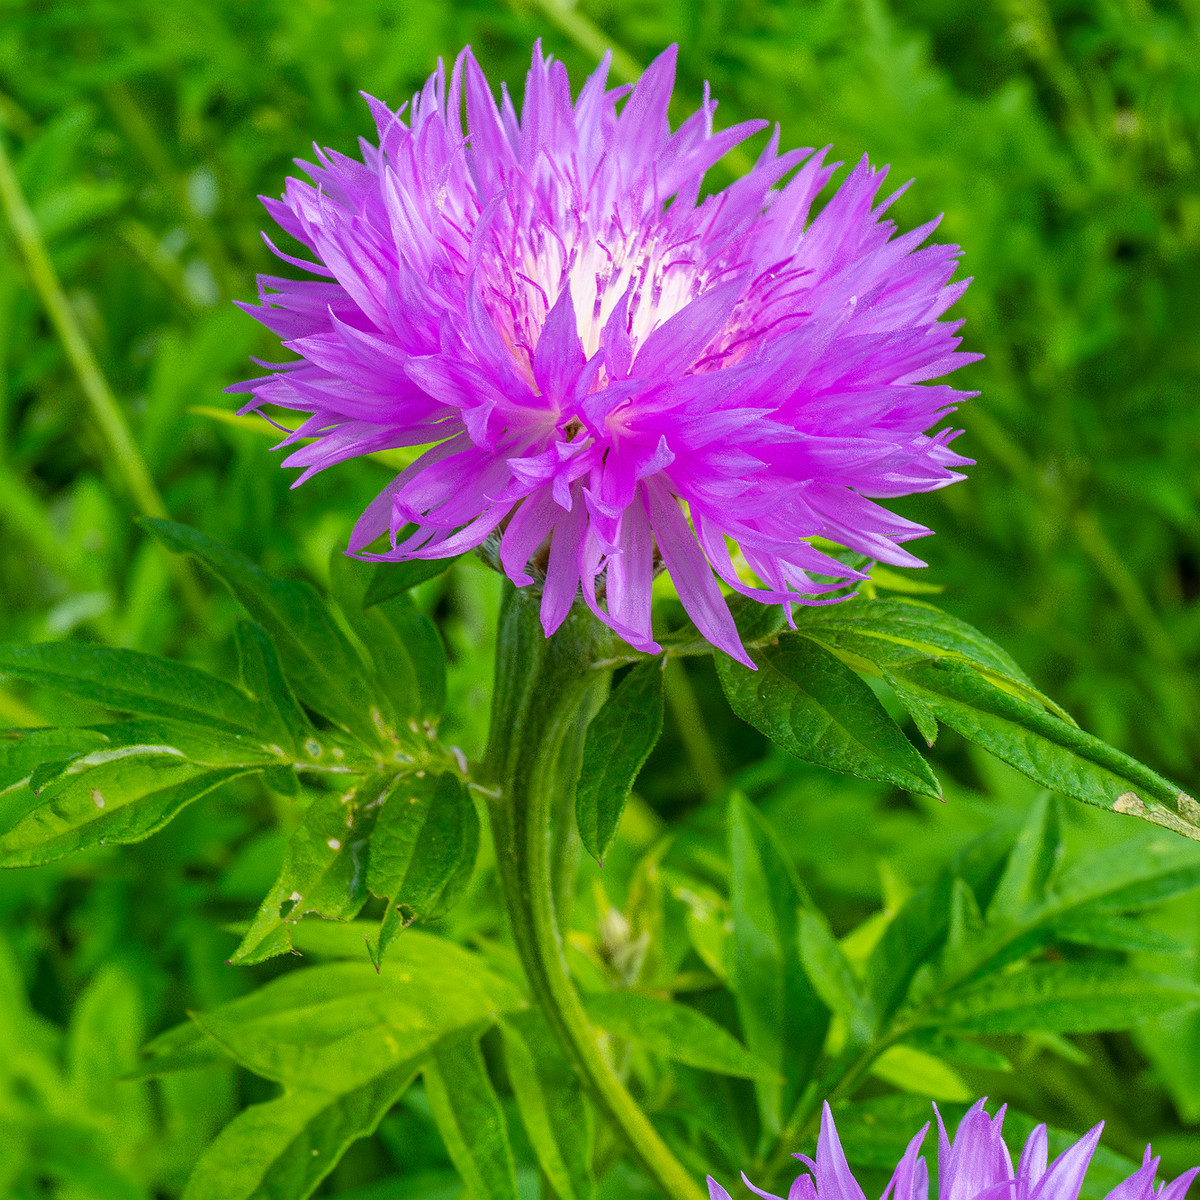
(613, 375)
(975, 1166)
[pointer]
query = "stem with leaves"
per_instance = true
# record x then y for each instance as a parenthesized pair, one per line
(541, 684)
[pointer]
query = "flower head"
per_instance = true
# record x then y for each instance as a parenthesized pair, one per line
(976, 1165)
(613, 375)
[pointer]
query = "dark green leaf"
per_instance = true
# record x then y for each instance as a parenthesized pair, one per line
(129, 681)
(675, 1031)
(815, 707)
(262, 676)
(324, 869)
(619, 740)
(469, 1117)
(402, 644)
(1060, 998)
(320, 663)
(391, 579)
(424, 843)
(423, 645)
(783, 1022)
(552, 1103)
(897, 632)
(1057, 755)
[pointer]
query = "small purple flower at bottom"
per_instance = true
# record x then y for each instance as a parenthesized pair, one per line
(975, 1166)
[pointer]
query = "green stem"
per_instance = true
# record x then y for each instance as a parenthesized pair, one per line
(541, 685)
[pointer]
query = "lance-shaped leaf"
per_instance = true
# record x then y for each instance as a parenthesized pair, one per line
(469, 1117)
(1030, 865)
(324, 869)
(1059, 998)
(423, 848)
(553, 1106)
(618, 742)
(118, 794)
(279, 717)
(676, 1032)
(129, 681)
(1058, 755)
(810, 703)
(783, 1022)
(393, 579)
(403, 645)
(832, 977)
(898, 632)
(321, 664)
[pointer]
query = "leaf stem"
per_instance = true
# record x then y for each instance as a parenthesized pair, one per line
(541, 685)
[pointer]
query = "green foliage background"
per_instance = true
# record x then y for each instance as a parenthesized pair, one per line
(1061, 142)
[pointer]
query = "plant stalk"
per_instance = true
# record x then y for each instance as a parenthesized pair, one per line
(541, 685)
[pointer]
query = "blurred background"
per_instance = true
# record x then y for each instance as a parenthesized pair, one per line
(1062, 143)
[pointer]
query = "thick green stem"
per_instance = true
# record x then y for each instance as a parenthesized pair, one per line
(541, 684)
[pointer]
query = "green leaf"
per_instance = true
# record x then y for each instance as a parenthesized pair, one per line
(336, 1025)
(423, 645)
(618, 742)
(403, 645)
(675, 1031)
(783, 1022)
(1059, 998)
(916, 1071)
(280, 716)
(23, 750)
(914, 936)
(1108, 931)
(815, 707)
(964, 932)
(129, 681)
(958, 1050)
(1133, 874)
(832, 976)
(321, 664)
(392, 579)
(324, 869)
(1050, 751)
(552, 1103)
(425, 840)
(1030, 865)
(895, 632)
(469, 1118)
(106, 1027)
(284, 1148)
(117, 796)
